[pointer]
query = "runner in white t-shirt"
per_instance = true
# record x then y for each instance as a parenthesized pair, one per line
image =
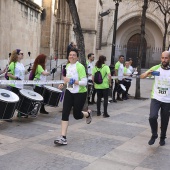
(160, 98)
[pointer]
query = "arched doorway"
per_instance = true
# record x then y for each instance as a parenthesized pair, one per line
(133, 50)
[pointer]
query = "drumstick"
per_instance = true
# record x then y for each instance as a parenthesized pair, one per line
(29, 54)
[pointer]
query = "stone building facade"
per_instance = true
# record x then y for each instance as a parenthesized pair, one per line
(128, 31)
(45, 26)
(20, 27)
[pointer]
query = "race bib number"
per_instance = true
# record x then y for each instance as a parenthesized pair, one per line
(162, 91)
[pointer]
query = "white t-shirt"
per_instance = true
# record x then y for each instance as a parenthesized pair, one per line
(131, 69)
(77, 72)
(20, 73)
(90, 67)
(119, 66)
(161, 85)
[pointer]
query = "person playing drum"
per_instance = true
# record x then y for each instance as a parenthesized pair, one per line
(90, 66)
(75, 95)
(16, 71)
(127, 81)
(40, 73)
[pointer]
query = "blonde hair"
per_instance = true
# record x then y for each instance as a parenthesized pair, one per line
(127, 62)
(14, 57)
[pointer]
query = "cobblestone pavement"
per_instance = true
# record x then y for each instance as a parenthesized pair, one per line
(115, 143)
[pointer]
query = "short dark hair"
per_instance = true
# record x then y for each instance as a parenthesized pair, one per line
(89, 55)
(75, 50)
(121, 56)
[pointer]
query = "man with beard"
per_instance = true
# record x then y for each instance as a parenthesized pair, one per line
(160, 97)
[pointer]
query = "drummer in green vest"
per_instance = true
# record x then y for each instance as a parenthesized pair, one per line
(40, 73)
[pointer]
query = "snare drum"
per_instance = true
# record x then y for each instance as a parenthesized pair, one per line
(121, 89)
(30, 102)
(8, 103)
(51, 96)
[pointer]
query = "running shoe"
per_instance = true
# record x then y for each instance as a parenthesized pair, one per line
(60, 140)
(89, 118)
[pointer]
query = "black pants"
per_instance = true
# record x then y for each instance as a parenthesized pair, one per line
(92, 96)
(102, 93)
(75, 100)
(116, 87)
(16, 91)
(155, 106)
(127, 84)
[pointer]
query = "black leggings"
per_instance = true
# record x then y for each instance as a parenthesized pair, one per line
(75, 100)
(102, 93)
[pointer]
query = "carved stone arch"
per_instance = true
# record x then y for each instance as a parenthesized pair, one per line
(133, 14)
(148, 36)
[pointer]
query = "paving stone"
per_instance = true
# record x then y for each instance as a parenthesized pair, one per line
(129, 118)
(88, 144)
(115, 129)
(115, 143)
(23, 129)
(104, 164)
(159, 160)
(125, 157)
(29, 159)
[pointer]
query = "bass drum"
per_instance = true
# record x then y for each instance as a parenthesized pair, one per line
(8, 103)
(30, 102)
(121, 89)
(51, 96)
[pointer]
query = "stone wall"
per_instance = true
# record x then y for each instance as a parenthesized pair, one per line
(89, 18)
(20, 27)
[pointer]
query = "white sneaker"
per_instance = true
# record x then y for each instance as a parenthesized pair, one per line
(60, 140)
(89, 118)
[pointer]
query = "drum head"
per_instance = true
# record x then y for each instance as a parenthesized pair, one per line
(123, 87)
(31, 95)
(8, 96)
(53, 89)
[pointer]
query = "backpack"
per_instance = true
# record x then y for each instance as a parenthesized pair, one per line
(98, 77)
(31, 76)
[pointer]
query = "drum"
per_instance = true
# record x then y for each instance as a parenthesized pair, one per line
(8, 103)
(30, 102)
(121, 89)
(51, 96)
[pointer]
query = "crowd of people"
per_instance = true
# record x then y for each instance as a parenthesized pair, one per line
(81, 85)
(118, 84)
